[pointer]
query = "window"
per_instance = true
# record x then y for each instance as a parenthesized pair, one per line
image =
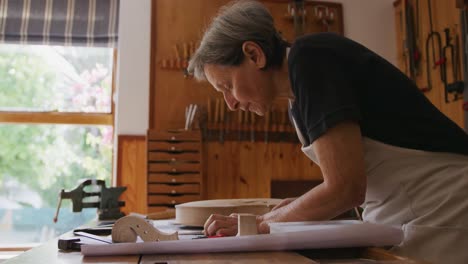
(56, 129)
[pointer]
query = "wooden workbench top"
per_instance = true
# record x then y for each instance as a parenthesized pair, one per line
(48, 253)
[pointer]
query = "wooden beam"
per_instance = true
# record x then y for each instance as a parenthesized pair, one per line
(56, 118)
(131, 172)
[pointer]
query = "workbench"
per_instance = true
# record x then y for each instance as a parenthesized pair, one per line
(48, 253)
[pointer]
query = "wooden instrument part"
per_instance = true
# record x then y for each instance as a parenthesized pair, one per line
(128, 228)
(196, 213)
(246, 225)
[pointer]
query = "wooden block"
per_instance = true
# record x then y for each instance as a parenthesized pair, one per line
(246, 225)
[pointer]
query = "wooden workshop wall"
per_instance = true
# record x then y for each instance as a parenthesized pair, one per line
(131, 172)
(444, 15)
(235, 165)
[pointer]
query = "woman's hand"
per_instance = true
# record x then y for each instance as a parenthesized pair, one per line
(221, 225)
(284, 202)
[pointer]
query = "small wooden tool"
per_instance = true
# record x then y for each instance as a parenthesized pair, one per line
(128, 228)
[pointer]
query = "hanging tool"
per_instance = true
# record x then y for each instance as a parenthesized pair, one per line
(450, 53)
(325, 16)
(105, 199)
(185, 59)
(239, 125)
(289, 136)
(433, 40)
(222, 110)
(280, 124)
(216, 117)
(266, 126)
(463, 5)
(411, 44)
(245, 126)
(231, 122)
(252, 127)
(209, 122)
(274, 125)
(190, 111)
(178, 58)
(298, 13)
(403, 43)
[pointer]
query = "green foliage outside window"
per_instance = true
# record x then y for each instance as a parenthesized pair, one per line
(38, 160)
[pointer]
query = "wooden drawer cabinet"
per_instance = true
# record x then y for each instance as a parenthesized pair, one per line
(175, 136)
(179, 147)
(174, 178)
(174, 168)
(163, 188)
(173, 157)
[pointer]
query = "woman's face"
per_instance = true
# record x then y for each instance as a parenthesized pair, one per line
(247, 86)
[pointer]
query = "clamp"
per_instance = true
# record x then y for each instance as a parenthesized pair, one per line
(105, 199)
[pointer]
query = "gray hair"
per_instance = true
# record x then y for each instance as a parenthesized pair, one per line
(237, 22)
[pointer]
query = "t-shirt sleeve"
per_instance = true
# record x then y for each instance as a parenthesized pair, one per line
(323, 89)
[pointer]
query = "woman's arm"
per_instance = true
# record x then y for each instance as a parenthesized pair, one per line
(340, 156)
(341, 159)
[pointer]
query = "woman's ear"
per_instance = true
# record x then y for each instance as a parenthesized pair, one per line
(254, 53)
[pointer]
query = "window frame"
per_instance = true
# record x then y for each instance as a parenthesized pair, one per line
(72, 118)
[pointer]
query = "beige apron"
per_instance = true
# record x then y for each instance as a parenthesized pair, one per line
(425, 193)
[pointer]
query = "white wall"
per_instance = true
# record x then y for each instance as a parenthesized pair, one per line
(133, 70)
(369, 22)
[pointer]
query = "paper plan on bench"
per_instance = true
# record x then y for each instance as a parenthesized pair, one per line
(330, 235)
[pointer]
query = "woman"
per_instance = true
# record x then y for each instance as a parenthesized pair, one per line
(379, 142)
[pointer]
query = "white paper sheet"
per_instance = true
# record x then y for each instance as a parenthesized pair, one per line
(331, 236)
(311, 225)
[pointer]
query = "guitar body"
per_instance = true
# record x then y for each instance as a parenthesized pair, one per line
(196, 213)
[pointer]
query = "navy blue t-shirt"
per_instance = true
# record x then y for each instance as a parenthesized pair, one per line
(335, 79)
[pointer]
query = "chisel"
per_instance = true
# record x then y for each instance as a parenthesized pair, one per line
(221, 120)
(245, 126)
(282, 125)
(274, 136)
(239, 125)
(216, 116)
(267, 126)
(209, 120)
(252, 126)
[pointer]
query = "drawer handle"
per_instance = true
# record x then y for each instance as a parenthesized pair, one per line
(173, 192)
(173, 138)
(173, 201)
(172, 148)
(174, 169)
(173, 180)
(173, 159)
